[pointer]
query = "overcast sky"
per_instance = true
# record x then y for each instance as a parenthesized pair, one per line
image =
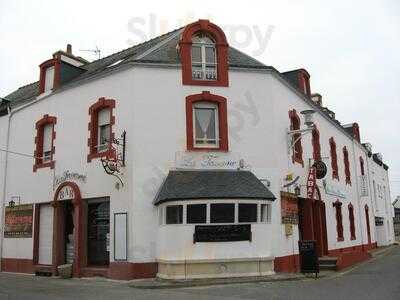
(350, 48)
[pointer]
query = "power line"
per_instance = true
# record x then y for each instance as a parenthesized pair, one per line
(18, 153)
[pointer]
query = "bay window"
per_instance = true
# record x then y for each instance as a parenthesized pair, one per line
(174, 214)
(247, 213)
(196, 213)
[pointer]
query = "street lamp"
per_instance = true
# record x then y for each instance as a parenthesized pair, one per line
(308, 121)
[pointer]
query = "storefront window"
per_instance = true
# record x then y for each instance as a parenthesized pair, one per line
(196, 213)
(222, 213)
(247, 213)
(265, 215)
(174, 214)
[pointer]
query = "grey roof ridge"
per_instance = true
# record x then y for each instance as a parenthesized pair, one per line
(159, 45)
(248, 56)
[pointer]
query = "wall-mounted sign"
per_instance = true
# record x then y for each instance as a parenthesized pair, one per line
(378, 221)
(334, 190)
(18, 221)
(222, 233)
(225, 161)
(289, 208)
(66, 193)
(320, 169)
(288, 229)
(68, 176)
(311, 182)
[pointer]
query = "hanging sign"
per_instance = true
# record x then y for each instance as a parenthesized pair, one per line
(18, 221)
(311, 182)
(320, 169)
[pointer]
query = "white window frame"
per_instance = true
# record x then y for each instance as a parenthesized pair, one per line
(206, 105)
(47, 153)
(203, 62)
(103, 147)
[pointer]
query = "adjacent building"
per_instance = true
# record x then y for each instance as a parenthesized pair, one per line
(182, 157)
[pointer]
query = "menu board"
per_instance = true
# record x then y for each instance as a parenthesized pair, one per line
(18, 221)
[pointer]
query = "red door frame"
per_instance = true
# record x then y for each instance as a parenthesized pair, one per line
(368, 225)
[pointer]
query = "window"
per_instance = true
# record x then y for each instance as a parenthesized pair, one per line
(205, 129)
(204, 54)
(206, 122)
(265, 214)
(222, 213)
(346, 165)
(196, 213)
(334, 164)
(352, 226)
(297, 148)
(375, 197)
(362, 166)
(316, 144)
(339, 220)
(174, 214)
(247, 213)
(204, 58)
(100, 129)
(49, 80)
(44, 143)
(104, 129)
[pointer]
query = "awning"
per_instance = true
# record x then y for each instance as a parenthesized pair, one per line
(221, 184)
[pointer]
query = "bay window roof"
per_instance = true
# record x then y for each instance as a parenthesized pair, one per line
(212, 184)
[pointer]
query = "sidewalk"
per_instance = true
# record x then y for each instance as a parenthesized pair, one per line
(156, 283)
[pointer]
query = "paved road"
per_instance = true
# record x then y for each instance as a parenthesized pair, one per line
(377, 279)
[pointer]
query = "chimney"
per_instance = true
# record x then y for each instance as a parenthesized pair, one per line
(69, 49)
(316, 98)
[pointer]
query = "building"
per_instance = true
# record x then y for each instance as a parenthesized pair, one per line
(181, 157)
(396, 219)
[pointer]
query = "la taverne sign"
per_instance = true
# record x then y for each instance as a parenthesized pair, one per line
(68, 176)
(225, 161)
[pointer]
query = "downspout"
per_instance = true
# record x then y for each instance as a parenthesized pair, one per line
(3, 198)
(372, 195)
(358, 193)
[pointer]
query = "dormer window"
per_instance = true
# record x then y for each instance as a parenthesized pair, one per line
(49, 79)
(204, 55)
(204, 58)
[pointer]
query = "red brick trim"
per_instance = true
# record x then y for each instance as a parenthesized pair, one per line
(334, 163)
(185, 47)
(17, 265)
(362, 166)
(297, 155)
(346, 165)
(56, 62)
(38, 153)
(287, 264)
(92, 127)
(352, 223)
(129, 271)
(316, 144)
(222, 119)
(366, 208)
(339, 220)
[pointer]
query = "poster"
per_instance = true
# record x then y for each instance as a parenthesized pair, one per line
(289, 208)
(18, 221)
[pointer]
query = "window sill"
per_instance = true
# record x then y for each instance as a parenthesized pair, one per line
(208, 149)
(340, 239)
(49, 164)
(106, 154)
(205, 82)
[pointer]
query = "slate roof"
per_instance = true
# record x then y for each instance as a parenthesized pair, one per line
(215, 184)
(164, 51)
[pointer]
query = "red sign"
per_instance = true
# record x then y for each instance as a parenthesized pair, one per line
(311, 182)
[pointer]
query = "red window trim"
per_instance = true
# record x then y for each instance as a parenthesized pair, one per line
(352, 223)
(56, 62)
(339, 220)
(185, 47)
(222, 120)
(356, 132)
(304, 82)
(346, 165)
(334, 163)
(316, 144)
(38, 153)
(297, 154)
(362, 166)
(94, 109)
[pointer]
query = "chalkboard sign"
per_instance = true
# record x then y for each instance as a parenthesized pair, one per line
(308, 257)
(222, 233)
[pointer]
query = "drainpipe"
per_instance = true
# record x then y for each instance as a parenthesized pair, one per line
(3, 196)
(358, 193)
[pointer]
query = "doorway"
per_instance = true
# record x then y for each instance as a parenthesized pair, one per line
(312, 223)
(98, 232)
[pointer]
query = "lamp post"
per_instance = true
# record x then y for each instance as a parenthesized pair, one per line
(308, 121)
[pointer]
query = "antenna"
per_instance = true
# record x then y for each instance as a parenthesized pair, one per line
(96, 51)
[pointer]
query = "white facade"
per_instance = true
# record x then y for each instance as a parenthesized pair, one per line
(150, 106)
